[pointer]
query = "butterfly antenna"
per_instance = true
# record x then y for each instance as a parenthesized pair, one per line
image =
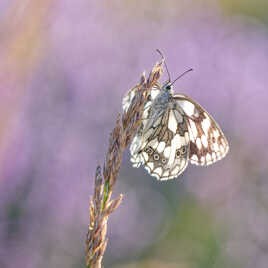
(182, 75)
(163, 58)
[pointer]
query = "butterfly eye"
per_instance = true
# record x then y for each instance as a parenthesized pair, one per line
(168, 87)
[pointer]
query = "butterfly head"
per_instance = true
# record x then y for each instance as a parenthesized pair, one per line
(168, 87)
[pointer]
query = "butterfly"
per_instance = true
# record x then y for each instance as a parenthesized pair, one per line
(175, 130)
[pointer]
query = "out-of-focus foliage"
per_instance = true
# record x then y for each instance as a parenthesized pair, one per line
(193, 239)
(255, 9)
(64, 68)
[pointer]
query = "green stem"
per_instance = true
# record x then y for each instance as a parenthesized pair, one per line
(105, 194)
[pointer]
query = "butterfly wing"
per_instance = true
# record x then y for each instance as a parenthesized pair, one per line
(207, 141)
(127, 99)
(163, 146)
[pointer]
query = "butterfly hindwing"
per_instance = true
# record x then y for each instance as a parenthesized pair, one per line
(162, 144)
(207, 141)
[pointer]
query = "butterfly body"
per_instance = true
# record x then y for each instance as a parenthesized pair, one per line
(159, 105)
(175, 130)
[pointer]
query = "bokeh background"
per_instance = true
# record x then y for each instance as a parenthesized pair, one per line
(64, 67)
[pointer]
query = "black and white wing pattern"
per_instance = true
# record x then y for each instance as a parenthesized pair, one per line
(207, 141)
(174, 131)
(163, 147)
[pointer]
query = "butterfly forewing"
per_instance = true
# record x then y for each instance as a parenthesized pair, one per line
(207, 141)
(127, 99)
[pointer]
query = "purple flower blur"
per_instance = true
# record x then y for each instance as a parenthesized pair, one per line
(59, 105)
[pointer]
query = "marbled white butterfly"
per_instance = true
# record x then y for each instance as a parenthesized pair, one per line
(174, 130)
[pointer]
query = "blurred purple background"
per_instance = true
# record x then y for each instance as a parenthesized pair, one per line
(64, 68)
